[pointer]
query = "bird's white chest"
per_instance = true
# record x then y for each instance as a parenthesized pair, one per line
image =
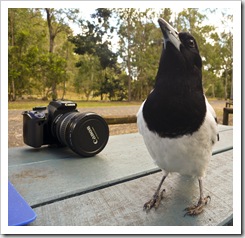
(187, 155)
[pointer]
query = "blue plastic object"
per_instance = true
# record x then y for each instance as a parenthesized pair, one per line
(19, 212)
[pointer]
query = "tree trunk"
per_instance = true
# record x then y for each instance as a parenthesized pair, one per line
(12, 91)
(231, 95)
(64, 85)
(128, 60)
(51, 31)
(54, 91)
(64, 90)
(129, 86)
(226, 84)
(51, 47)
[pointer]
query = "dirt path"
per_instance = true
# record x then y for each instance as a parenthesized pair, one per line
(15, 122)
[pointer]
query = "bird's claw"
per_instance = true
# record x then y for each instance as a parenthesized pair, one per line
(154, 202)
(197, 209)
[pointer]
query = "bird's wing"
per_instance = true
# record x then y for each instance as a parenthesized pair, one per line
(140, 119)
(211, 110)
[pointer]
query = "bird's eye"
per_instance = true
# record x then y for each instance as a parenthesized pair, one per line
(191, 43)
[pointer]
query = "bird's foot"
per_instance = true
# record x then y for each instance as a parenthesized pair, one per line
(197, 209)
(154, 202)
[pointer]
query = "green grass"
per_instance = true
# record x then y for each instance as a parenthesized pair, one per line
(29, 104)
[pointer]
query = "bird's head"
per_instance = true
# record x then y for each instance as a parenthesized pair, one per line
(176, 105)
(181, 46)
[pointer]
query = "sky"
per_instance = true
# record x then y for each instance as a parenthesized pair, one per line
(212, 18)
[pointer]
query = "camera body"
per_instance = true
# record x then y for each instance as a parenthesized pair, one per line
(37, 124)
(60, 123)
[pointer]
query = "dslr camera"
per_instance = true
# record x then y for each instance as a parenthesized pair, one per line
(61, 124)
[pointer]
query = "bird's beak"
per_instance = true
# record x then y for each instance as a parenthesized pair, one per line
(169, 34)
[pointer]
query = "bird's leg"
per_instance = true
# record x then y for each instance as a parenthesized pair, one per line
(157, 197)
(197, 209)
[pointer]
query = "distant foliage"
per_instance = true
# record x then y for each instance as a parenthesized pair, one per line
(46, 59)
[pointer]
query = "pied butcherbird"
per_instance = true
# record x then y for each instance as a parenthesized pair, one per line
(178, 125)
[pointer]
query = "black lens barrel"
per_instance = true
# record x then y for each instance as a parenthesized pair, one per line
(85, 133)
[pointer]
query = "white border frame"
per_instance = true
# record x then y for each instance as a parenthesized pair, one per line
(235, 229)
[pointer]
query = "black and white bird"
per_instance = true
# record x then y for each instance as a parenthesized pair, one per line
(178, 125)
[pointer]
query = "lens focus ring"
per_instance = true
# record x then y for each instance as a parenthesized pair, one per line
(85, 133)
(63, 126)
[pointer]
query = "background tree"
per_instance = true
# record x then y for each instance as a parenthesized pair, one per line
(95, 41)
(140, 48)
(25, 41)
(147, 50)
(126, 22)
(226, 55)
(29, 56)
(210, 43)
(57, 22)
(89, 74)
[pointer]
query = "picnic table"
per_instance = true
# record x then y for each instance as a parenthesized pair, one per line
(111, 188)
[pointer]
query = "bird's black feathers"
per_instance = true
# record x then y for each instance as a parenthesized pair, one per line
(176, 121)
(176, 106)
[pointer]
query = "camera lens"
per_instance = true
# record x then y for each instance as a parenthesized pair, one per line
(85, 133)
